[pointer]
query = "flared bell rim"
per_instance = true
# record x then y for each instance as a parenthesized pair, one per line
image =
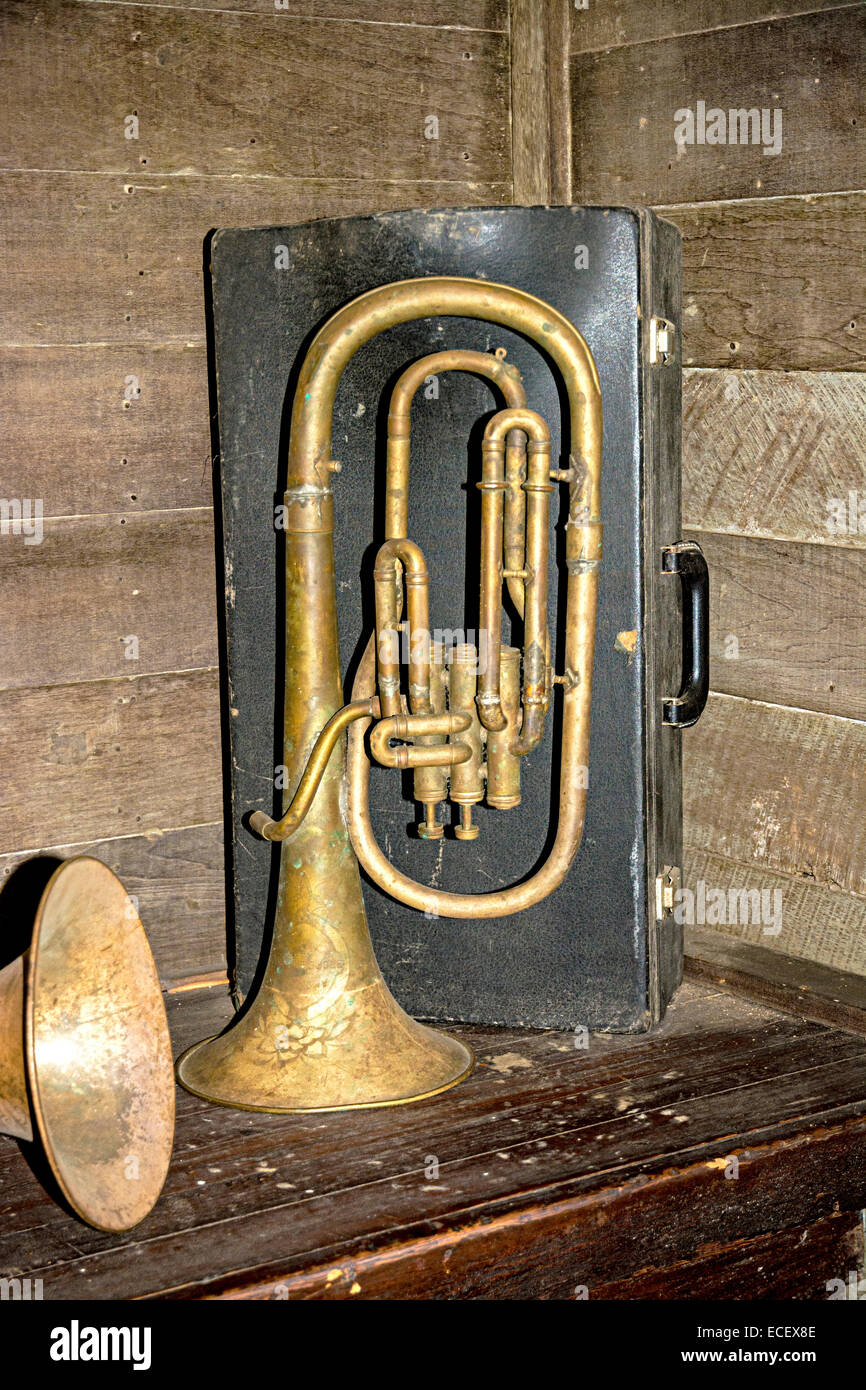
(373, 1104)
(160, 1094)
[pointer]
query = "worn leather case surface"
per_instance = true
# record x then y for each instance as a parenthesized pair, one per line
(594, 954)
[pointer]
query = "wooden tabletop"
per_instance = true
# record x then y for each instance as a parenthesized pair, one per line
(722, 1155)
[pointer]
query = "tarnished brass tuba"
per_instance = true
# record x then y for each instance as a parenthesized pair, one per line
(322, 1031)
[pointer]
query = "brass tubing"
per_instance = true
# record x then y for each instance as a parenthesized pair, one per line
(551, 331)
(514, 539)
(411, 726)
(302, 800)
(430, 783)
(498, 372)
(538, 488)
(311, 603)
(391, 555)
(492, 486)
(467, 783)
(536, 638)
(503, 766)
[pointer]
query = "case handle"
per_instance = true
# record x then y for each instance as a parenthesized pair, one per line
(687, 560)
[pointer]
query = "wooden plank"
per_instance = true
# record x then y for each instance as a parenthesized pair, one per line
(701, 1019)
(147, 236)
(778, 981)
(796, 1263)
(106, 758)
(540, 102)
(783, 788)
(71, 437)
(545, 1260)
(224, 93)
(774, 283)
(818, 923)
(775, 454)
(108, 596)
(530, 104)
(634, 21)
(787, 622)
(806, 69)
(559, 80)
(177, 878)
(551, 1170)
(458, 14)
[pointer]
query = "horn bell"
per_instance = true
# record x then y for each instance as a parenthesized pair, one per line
(323, 1031)
(85, 1053)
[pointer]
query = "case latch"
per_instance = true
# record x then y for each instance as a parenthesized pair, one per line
(662, 339)
(667, 884)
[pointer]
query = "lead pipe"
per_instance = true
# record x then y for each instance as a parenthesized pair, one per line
(302, 800)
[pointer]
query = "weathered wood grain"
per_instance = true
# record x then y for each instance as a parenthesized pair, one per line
(762, 451)
(545, 1260)
(540, 102)
(178, 880)
(218, 93)
(106, 758)
(555, 1169)
(781, 788)
(634, 21)
(458, 14)
(530, 103)
(774, 283)
(792, 1264)
(776, 980)
(108, 596)
(787, 622)
(806, 68)
(145, 239)
(560, 93)
(767, 453)
(69, 436)
(819, 923)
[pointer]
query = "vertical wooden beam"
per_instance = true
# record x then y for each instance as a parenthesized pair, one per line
(540, 105)
(559, 99)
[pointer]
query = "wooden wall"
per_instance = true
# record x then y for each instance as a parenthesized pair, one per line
(774, 421)
(248, 112)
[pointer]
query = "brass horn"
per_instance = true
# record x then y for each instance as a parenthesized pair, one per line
(85, 1054)
(323, 1032)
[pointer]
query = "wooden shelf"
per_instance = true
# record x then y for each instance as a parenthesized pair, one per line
(553, 1170)
(799, 987)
